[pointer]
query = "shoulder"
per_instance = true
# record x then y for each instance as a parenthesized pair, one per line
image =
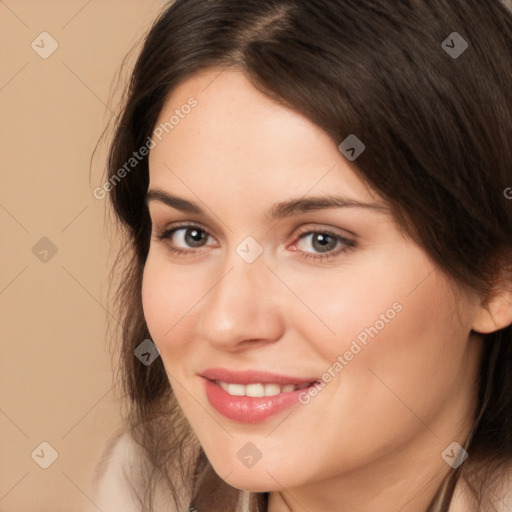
(122, 469)
(112, 485)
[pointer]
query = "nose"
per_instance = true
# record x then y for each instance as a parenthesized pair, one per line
(242, 307)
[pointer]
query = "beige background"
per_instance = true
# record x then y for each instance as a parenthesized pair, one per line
(56, 381)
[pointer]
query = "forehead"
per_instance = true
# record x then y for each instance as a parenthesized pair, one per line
(236, 138)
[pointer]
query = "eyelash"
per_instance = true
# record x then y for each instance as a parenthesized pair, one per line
(346, 244)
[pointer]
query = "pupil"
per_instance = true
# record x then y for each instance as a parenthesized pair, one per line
(194, 237)
(323, 240)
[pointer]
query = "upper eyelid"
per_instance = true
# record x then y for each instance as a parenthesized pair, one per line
(334, 230)
(301, 230)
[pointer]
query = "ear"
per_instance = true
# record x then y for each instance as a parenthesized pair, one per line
(495, 312)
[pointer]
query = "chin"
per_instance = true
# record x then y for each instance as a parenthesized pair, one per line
(254, 482)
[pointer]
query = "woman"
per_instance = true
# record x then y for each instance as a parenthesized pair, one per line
(317, 302)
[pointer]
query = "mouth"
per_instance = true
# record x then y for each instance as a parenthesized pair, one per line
(253, 402)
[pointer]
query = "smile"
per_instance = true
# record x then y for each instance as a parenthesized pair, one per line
(259, 389)
(252, 403)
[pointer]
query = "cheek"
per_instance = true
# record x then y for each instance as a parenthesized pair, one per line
(168, 297)
(425, 337)
(414, 358)
(368, 300)
(394, 326)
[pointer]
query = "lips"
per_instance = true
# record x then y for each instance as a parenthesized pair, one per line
(252, 409)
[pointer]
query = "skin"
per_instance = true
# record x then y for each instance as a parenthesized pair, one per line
(372, 439)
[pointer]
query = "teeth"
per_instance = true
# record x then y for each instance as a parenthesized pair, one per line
(254, 390)
(272, 389)
(259, 390)
(236, 389)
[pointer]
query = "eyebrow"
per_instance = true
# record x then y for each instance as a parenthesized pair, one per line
(278, 210)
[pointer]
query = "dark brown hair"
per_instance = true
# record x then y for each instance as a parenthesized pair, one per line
(438, 136)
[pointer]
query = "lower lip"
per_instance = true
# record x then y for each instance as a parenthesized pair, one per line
(248, 409)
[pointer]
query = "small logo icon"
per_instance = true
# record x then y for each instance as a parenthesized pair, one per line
(44, 45)
(249, 249)
(44, 250)
(351, 147)
(146, 352)
(454, 455)
(249, 455)
(44, 455)
(454, 45)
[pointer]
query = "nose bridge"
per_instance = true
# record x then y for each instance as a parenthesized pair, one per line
(239, 305)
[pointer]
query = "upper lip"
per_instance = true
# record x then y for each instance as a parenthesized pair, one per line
(252, 377)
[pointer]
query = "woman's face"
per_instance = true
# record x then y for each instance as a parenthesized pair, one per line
(307, 292)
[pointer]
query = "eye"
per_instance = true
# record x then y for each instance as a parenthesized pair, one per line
(326, 244)
(185, 238)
